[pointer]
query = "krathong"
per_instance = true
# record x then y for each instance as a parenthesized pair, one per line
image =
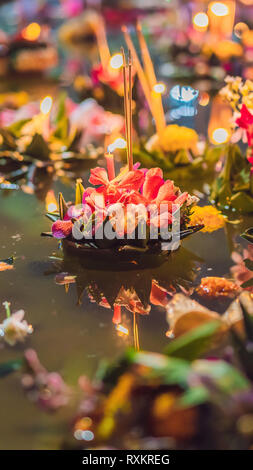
(122, 212)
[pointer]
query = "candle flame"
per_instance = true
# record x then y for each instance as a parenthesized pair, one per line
(117, 144)
(220, 136)
(204, 99)
(159, 88)
(200, 21)
(31, 32)
(219, 9)
(51, 203)
(46, 104)
(116, 61)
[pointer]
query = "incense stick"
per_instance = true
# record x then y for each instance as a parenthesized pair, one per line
(126, 103)
(138, 66)
(130, 121)
(147, 62)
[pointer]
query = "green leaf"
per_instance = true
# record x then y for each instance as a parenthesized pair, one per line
(247, 284)
(248, 234)
(226, 377)
(193, 397)
(38, 148)
(79, 192)
(242, 202)
(193, 344)
(16, 127)
(8, 140)
(63, 208)
(248, 263)
(7, 368)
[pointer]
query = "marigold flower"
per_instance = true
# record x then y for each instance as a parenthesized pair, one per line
(176, 138)
(209, 216)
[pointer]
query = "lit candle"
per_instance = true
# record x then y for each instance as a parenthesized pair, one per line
(219, 128)
(158, 108)
(221, 18)
(110, 165)
(45, 108)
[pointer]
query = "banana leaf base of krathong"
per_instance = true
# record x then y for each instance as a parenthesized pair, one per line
(123, 256)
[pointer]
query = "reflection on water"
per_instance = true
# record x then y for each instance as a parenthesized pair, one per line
(135, 290)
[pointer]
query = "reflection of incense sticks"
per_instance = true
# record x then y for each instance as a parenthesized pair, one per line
(128, 106)
(136, 334)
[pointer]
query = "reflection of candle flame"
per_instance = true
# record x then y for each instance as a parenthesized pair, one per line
(122, 329)
(51, 203)
(46, 105)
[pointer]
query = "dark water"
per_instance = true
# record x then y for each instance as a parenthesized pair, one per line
(72, 338)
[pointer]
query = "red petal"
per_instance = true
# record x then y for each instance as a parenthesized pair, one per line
(132, 180)
(165, 192)
(98, 176)
(153, 182)
(62, 228)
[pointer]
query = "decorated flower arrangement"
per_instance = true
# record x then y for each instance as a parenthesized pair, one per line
(55, 133)
(132, 211)
(30, 50)
(95, 207)
(104, 81)
(234, 187)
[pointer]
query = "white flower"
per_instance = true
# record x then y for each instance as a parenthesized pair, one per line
(14, 328)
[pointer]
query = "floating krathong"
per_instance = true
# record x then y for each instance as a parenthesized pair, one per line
(119, 214)
(40, 140)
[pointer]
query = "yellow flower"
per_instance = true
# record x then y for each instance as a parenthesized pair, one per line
(176, 137)
(226, 49)
(209, 216)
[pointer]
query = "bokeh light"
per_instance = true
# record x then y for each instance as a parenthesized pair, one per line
(159, 88)
(116, 61)
(240, 28)
(200, 21)
(31, 32)
(46, 104)
(219, 8)
(220, 136)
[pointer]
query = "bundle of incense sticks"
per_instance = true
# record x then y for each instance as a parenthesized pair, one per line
(147, 77)
(127, 74)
